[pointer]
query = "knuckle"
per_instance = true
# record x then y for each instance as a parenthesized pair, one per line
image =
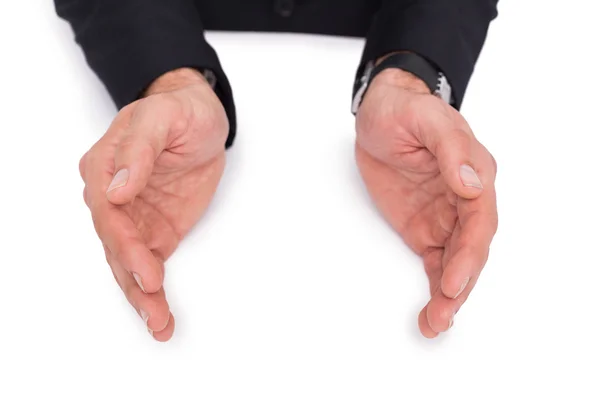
(90, 159)
(85, 196)
(495, 164)
(82, 165)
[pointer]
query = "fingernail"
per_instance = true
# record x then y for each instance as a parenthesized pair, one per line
(451, 322)
(462, 287)
(151, 332)
(119, 180)
(144, 316)
(469, 177)
(138, 279)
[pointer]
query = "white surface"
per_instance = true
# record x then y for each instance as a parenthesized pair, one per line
(292, 287)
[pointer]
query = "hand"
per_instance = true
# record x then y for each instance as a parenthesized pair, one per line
(433, 182)
(149, 179)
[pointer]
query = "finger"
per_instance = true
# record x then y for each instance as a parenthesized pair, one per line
(153, 308)
(447, 135)
(432, 261)
(114, 227)
(139, 147)
(478, 220)
(441, 310)
(117, 231)
(424, 326)
(445, 220)
(455, 154)
(167, 332)
(451, 197)
(432, 225)
(467, 263)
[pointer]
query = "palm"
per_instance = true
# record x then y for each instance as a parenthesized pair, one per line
(148, 181)
(171, 203)
(411, 151)
(414, 198)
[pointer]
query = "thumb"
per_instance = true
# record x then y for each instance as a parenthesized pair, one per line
(136, 153)
(134, 162)
(460, 157)
(459, 163)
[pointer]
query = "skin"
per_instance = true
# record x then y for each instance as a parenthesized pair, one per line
(414, 152)
(172, 145)
(150, 178)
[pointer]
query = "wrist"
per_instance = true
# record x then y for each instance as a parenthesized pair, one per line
(400, 78)
(175, 80)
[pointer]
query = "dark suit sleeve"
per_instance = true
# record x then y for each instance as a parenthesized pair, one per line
(449, 33)
(130, 43)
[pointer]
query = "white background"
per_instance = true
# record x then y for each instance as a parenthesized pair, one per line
(292, 286)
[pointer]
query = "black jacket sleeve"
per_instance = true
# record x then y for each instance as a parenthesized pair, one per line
(449, 33)
(130, 43)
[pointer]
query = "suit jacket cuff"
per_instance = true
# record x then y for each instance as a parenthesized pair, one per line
(131, 69)
(450, 36)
